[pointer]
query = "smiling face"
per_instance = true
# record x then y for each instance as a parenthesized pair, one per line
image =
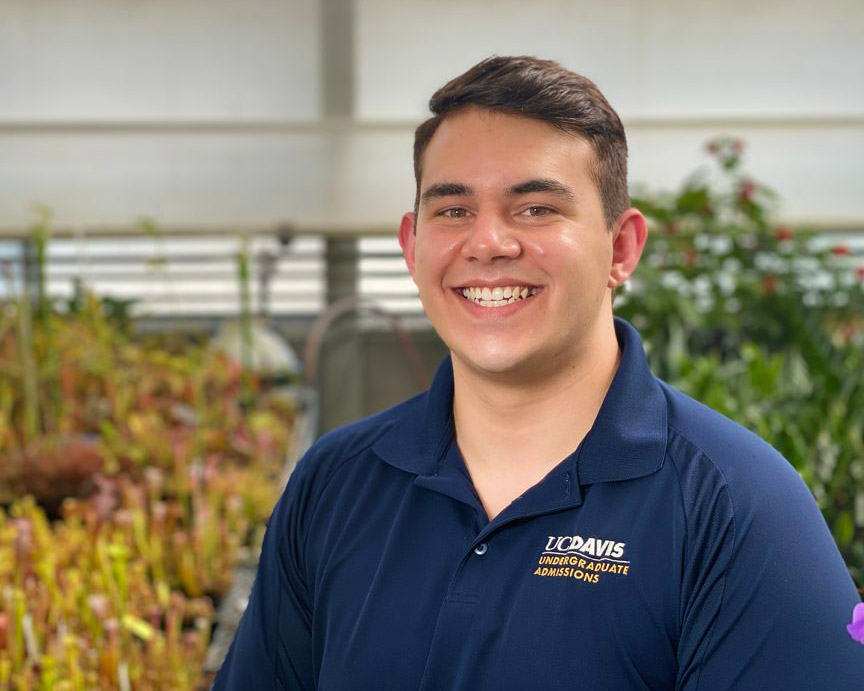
(511, 253)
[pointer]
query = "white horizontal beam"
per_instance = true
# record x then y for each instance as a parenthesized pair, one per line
(350, 126)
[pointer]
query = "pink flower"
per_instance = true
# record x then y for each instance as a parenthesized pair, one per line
(98, 605)
(856, 628)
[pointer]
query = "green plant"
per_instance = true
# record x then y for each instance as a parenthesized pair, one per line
(127, 511)
(244, 277)
(78, 610)
(762, 323)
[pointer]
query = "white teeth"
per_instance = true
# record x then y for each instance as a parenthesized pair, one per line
(498, 296)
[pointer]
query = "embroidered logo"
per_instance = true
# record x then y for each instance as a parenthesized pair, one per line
(584, 559)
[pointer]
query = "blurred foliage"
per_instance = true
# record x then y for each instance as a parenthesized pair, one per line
(133, 476)
(763, 323)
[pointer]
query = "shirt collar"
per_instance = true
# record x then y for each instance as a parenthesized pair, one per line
(628, 439)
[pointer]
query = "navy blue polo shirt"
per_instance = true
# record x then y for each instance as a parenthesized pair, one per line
(672, 550)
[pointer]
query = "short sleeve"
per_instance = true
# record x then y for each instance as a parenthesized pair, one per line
(765, 594)
(272, 648)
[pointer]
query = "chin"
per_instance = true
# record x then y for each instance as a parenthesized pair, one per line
(490, 361)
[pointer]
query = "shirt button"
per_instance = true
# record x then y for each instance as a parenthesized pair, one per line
(480, 549)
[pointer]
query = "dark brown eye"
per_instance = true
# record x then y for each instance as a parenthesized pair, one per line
(455, 212)
(538, 210)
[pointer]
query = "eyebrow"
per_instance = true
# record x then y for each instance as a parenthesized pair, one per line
(447, 189)
(543, 185)
(457, 189)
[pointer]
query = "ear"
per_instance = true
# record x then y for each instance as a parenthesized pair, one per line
(407, 238)
(627, 244)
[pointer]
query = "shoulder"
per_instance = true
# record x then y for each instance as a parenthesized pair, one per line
(726, 470)
(699, 432)
(756, 559)
(353, 442)
(335, 465)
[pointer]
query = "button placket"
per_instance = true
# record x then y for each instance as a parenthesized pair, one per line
(471, 576)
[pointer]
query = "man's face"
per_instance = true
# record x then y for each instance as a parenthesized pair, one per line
(511, 254)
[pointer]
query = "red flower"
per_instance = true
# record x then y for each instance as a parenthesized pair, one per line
(860, 273)
(784, 233)
(745, 192)
(691, 257)
(738, 146)
(841, 251)
(769, 284)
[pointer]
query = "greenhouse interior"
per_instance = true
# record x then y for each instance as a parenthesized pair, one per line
(201, 273)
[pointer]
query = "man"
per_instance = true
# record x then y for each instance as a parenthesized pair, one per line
(548, 515)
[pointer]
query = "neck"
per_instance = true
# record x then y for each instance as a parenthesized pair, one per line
(525, 423)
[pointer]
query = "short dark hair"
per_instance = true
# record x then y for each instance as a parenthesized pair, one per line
(543, 90)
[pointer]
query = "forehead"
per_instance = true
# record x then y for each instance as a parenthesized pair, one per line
(499, 149)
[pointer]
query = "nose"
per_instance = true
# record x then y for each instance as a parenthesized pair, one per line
(490, 238)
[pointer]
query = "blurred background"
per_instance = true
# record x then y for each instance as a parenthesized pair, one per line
(202, 122)
(187, 181)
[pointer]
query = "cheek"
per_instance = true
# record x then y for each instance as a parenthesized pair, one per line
(424, 268)
(590, 259)
(540, 249)
(433, 256)
(427, 273)
(562, 258)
